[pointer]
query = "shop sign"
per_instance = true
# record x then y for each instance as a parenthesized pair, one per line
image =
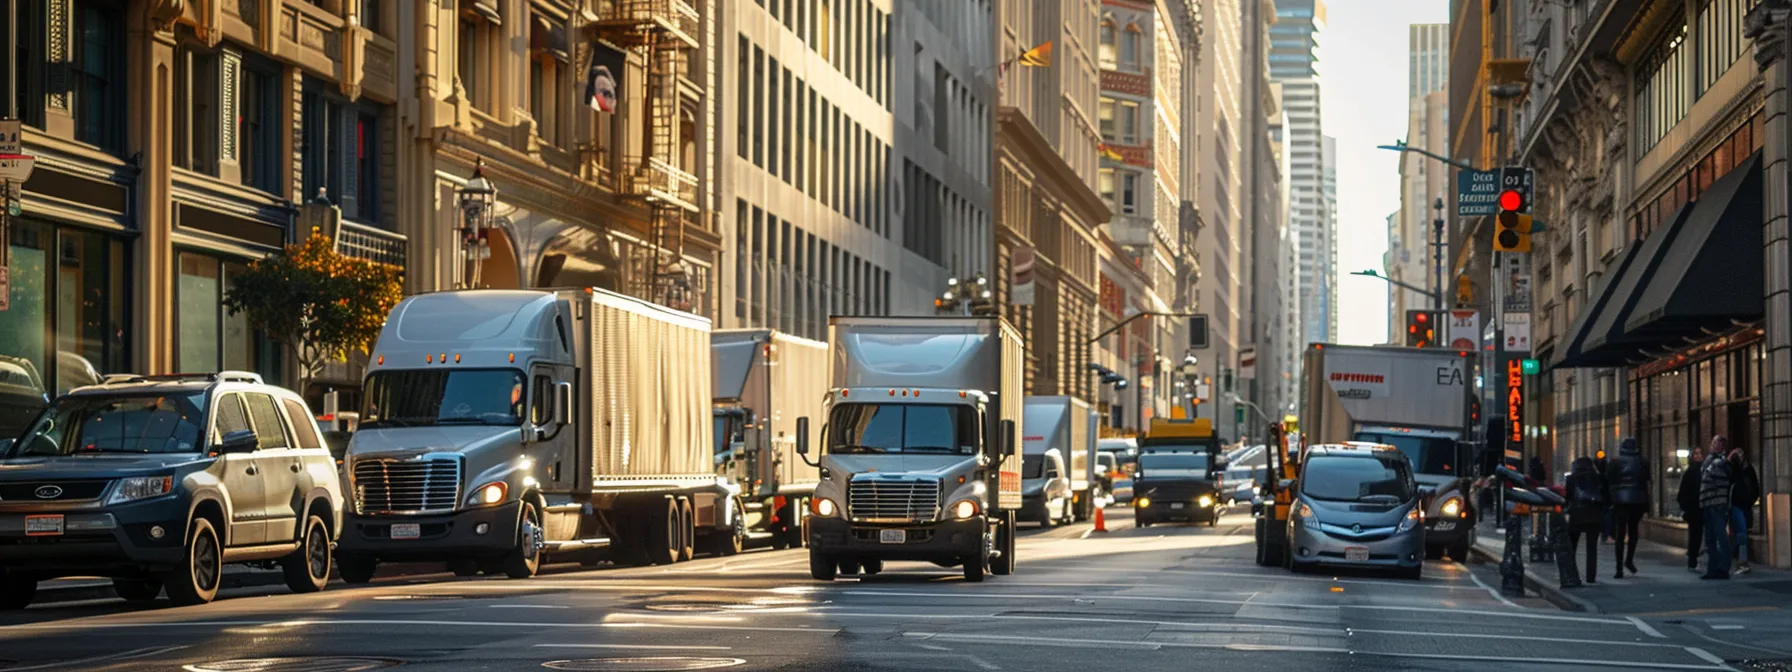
(5, 287)
(1515, 407)
(1465, 329)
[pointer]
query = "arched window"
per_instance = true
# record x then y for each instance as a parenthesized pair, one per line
(1107, 44)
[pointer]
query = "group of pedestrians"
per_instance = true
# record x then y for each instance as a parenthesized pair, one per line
(1717, 496)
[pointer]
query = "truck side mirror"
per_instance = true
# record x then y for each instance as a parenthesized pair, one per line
(1007, 438)
(562, 403)
(802, 436)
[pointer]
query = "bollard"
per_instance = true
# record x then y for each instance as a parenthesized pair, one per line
(1566, 570)
(1512, 565)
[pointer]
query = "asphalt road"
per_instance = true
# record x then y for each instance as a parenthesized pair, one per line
(1163, 598)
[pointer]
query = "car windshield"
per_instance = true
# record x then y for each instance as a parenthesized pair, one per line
(1353, 478)
(1428, 454)
(903, 428)
(137, 423)
(1173, 465)
(721, 434)
(1032, 466)
(428, 397)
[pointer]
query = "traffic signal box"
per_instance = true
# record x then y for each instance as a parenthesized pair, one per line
(1421, 329)
(1512, 232)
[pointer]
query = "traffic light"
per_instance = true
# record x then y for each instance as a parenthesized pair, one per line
(1513, 233)
(1421, 329)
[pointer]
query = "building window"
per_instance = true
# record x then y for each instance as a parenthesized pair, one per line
(196, 111)
(99, 83)
(259, 131)
(1105, 185)
(68, 320)
(1127, 114)
(367, 168)
(478, 20)
(1107, 119)
(1109, 59)
(1721, 42)
(1129, 196)
(1129, 48)
(773, 117)
(1663, 92)
(743, 99)
(208, 337)
(370, 15)
(758, 106)
(342, 153)
(27, 59)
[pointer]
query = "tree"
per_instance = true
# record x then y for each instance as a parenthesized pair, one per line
(317, 303)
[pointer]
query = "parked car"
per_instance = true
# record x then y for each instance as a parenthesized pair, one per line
(157, 481)
(1358, 505)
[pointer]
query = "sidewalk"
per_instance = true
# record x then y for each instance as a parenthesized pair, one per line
(1663, 588)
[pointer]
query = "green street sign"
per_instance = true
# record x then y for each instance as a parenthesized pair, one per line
(1238, 414)
(1532, 367)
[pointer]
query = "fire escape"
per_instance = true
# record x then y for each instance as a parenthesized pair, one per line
(658, 176)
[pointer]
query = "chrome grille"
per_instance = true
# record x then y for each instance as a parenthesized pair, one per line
(406, 486)
(894, 500)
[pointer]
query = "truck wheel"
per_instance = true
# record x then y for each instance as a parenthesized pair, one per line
(196, 582)
(137, 590)
(1004, 565)
(629, 518)
(849, 567)
(687, 530)
(525, 559)
(1413, 573)
(731, 541)
(1434, 552)
(16, 591)
(356, 569)
(463, 567)
(308, 568)
(973, 568)
(663, 535)
(821, 567)
(795, 532)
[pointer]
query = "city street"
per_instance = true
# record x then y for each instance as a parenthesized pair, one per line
(1154, 598)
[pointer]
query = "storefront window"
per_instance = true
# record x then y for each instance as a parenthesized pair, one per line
(66, 321)
(209, 338)
(1681, 409)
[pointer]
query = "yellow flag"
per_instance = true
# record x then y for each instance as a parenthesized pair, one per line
(1108, 152)
(1038, 57)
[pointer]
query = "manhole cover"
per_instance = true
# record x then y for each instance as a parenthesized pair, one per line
(1758, 665)
(666, 664)
(323, 664)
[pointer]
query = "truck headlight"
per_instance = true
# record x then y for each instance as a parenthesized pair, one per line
(824, 507)
(1144, 502)
(964, 509)
(1205, 501)
(488, 494)
(141, 487)
(1453, 507)
(1413, 516)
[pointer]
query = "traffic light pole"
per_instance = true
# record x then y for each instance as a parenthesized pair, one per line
(1437, 251)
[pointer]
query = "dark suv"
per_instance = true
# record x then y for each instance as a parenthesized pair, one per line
(159, 481)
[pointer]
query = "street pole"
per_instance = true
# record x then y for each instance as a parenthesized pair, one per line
(12, 69)
(1437, 248)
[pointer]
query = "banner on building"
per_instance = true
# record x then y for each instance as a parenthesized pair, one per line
(1021, 276)
(1465, 329)
(1518, 331)
(1247, 364)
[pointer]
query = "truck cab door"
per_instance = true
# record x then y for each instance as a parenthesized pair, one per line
(552, 450)
(769, 458)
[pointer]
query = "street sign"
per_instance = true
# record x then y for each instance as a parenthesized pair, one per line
(1197, 332)
(1247, 364)
(1465, 329)
(1477, 192)
(12, 138)
(1518, 331)
(1532, 367)
(1521, 179)
(16, 167)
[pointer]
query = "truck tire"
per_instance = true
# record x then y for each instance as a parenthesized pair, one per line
(307, 569)
(16, 591)
(973, 568)
(196, 581)
(821, 567)
(795, 526)
(1004, 565)
(525, 559)
(356, 569)
(873, 566)
(732, 540)
(687, 526)
(663, 535)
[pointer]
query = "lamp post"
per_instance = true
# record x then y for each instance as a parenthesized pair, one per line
(477, 200)
(1437, 299)
(963, 298)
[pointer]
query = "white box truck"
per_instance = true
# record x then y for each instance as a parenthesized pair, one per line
(918, 457)
(1416, 399)
(1057, 461)
(500, 426)
(763, 381)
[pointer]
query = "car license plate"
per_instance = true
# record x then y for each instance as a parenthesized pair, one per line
(43, 526)
(1445, 525)
(1356, 554)
(407, 531)
(892, 536)
(1177, 505)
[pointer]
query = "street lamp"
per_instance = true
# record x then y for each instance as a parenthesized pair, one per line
(964, 298)
(477, 200)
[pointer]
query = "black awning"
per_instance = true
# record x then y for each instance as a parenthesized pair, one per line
(1576, 335)
(1712, 275)
(1606, 343)
(548, 36)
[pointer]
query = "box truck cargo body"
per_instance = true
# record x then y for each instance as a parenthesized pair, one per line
(1057, 460)
(763, 381)
(503, 426)
(919, 457)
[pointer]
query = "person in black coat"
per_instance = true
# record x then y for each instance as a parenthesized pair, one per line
(1745, 491)
(1688, 499)
(1628, 480)
(1588, 501)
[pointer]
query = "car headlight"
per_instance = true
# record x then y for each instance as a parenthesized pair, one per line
(141, 487)
(1205, 501)
(488, 494)
(1303, 512)
(1413, 516)
(1453, 507)
(964, 509)
(824, 507)
(1144, 502)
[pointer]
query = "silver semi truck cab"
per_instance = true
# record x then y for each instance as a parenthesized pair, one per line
(764, 381)
(918, 457)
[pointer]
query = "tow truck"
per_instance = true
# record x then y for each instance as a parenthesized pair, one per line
(1179, 473)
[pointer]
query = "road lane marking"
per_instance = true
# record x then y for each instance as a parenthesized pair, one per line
(1434, 584)
(1648, 665)
(1490, 591)
(1527, 638)
(525, 606)
(1240, 603)
(1727, 627)
(1150, 645)
(1709, 657)
(1646, 628)
(979, 662)
(645, 647)
(132, 654)
(1702, 635)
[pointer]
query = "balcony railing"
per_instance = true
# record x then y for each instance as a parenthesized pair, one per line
(360, 241)
(661, 181)
(678, 16)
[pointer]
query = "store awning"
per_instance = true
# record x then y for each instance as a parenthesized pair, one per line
(1606, 343)
(1575, 337)
(1712, 275)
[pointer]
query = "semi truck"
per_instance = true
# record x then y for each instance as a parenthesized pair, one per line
(1057, 461)
(500, 427)
(918, 456)
(1416, 399)
(763, 381)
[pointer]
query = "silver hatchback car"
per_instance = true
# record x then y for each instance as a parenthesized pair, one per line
(1358, 505)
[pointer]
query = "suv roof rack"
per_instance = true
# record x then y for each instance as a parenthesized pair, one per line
(221, 376)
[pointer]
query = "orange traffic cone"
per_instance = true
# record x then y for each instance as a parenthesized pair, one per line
(1101, 521)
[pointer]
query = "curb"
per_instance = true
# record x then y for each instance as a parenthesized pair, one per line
(79, 590)
(1550, 591)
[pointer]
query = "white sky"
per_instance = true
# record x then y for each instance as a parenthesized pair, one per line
(1363, 69)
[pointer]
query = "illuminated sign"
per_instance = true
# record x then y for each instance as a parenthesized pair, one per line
(1515, 399)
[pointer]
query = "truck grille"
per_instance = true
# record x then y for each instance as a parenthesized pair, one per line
(406, 486)
(894, 500)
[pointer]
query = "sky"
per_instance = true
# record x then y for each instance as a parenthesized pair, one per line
(1363, 104)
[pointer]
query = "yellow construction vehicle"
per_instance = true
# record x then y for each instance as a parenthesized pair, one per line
(1178, 473)
(1278, 497)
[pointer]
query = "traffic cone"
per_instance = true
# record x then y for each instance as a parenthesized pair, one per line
(1101, 521)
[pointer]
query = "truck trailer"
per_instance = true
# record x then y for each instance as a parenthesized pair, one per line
(1057, 461)
(1416, 399)
(919, 460)
(763, 381)
(502, 426)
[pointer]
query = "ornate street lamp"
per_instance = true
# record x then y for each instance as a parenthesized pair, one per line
(478, 199)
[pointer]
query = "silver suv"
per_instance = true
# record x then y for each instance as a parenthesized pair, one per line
(158, 481)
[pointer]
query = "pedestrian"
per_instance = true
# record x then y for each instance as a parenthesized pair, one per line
(1599, 463)
(1745, 490)
(1714, 501)
(1689, 506)
(1628, 477)
(1588, 501)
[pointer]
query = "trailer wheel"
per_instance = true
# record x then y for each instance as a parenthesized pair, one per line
(663, 533)
(731, 541)
(822, 567)
(687, 528)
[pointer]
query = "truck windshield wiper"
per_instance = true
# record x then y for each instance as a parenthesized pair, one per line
(929, 449)
(855, 448)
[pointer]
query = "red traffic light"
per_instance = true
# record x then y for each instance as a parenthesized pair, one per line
(1422, 317)
(1511, 200)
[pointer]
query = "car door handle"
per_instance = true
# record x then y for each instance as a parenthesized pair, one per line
(252, 470)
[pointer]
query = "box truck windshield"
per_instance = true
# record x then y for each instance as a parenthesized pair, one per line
(1173, 465)
(903, 428)
(1429, 454)
(425, 397)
